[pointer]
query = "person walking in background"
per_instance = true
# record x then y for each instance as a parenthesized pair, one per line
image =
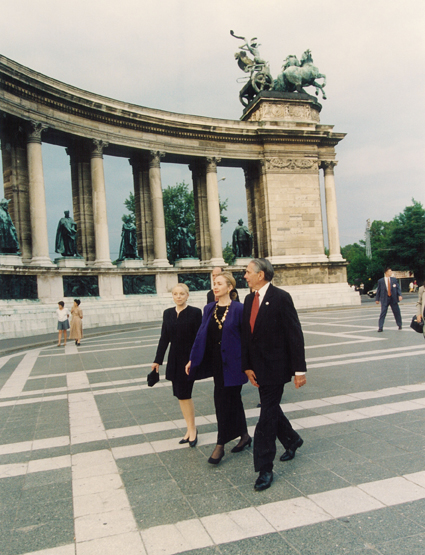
(179, 327)
(272, 352)
(63, 322)
(76, 322)
(217, 352)
(388, 294)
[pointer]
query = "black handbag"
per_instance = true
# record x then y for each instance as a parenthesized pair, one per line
(417, 326)
(153, 378)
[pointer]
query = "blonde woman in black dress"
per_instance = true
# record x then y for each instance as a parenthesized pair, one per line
(179, 328)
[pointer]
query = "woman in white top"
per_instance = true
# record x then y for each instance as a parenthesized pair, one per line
(63, 322)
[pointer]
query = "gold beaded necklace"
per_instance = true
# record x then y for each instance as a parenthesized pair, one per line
(220, 322)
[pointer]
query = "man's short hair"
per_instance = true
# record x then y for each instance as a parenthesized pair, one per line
(386, 269)
(265, 266)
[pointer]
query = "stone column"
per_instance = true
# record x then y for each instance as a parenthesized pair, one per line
(160, 241)
(82, 199)
(331, 211)
(103, 257)
(143, 206)
(201, 211)
(15, 181)
(213, 204)
(251, 180)
(37, 196)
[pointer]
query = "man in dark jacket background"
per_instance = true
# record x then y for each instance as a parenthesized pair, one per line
(272, 352)
(388, 294)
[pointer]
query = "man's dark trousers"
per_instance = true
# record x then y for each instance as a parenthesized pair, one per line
(271, 424)
(392, 302)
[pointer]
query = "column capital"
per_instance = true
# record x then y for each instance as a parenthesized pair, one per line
(35, 129)
(155, 158)
(212, 163)
(328, 166)
(97, 147)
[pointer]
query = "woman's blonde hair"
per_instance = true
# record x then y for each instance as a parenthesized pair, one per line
(228, 276)
(183, 286)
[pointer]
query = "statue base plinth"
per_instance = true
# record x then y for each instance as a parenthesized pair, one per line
(244, 261)
(70, 262)
(274, 106)
(187, 263)
(10, 260)
(131, 263)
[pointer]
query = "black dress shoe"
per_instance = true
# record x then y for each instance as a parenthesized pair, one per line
(195, 441)
(184, 440)
(289, 454)
(212, 460)
(380, 329)
(263, 481)
(241, 447)
(399, 327)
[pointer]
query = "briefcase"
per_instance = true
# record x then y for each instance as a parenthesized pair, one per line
(417, 326)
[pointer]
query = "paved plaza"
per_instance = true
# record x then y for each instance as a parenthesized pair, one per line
(90, 461)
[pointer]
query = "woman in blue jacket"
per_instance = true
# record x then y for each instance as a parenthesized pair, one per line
(217, 352)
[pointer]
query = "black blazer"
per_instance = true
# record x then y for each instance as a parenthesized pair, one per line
(181, 333)
(275, 350)
(211, 296)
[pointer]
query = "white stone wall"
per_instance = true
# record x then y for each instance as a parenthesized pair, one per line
(27, 318)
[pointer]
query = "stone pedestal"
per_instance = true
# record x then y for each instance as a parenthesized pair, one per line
(187, 263)
(70, 262)
(130, 263)
(242, 262)
(10, 260)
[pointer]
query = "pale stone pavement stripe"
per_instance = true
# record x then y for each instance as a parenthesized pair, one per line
(102, 510)
(104, 350)
(357, 359)
(16, 383)
(103, 518)
(83, 411)
(375, 410)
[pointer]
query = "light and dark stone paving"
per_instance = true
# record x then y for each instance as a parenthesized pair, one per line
(90, 461)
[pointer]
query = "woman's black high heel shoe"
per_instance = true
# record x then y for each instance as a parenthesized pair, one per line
(184, 440)
(241, 445)
(195, 441)
(212, 460)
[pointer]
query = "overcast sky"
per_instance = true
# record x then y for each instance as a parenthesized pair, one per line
(178, 55)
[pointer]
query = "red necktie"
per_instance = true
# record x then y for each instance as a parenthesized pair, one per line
(389, 287)
(254, 310)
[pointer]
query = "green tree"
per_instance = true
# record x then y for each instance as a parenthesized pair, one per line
(179, 211)
(358, 262)
(228, 254)
(130, 204)
(407, 240)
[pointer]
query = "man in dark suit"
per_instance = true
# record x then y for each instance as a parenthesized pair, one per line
(388, 294)
(272, 352)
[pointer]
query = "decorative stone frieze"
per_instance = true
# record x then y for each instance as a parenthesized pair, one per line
(290, 165)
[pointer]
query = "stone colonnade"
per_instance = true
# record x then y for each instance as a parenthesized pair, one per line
(23, 174)
(274, 216)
